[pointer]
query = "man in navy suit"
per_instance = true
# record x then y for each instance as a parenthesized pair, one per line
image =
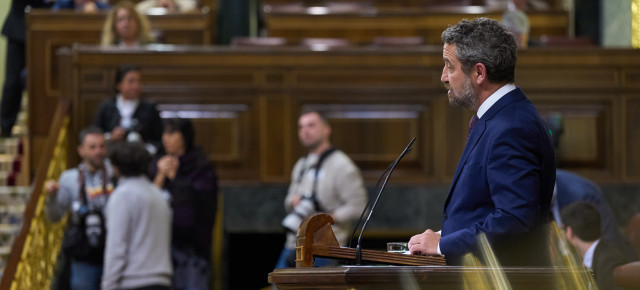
(582, 226)
(504, 181)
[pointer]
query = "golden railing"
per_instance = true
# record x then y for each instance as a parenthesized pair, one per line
(35, 251)
(635, 23)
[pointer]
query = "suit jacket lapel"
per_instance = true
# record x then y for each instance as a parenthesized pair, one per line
(472, 141)
(478, 131)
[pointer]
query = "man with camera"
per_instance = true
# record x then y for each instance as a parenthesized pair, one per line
(325, 180)
(83, 192)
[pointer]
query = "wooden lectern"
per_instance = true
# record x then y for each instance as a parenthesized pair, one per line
(316, 239)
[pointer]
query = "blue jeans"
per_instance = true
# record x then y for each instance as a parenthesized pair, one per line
(85, 276)
(287, 259)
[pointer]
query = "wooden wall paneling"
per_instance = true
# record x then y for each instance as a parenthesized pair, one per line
(571, 78)
(373, 134)
(177, 77)
(363, 78)
(400, 3)
(227, 131)
(366, 91)
(362, 26)
(631, 121)
(276, 129)
(588, 143)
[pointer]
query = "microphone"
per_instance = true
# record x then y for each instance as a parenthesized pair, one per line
(375, 189)
(364, 225)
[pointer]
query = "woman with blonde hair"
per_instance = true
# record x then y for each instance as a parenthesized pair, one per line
(126, 27)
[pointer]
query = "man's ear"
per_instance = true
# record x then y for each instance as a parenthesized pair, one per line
(328, 130)
(569, 232)
(479, 71)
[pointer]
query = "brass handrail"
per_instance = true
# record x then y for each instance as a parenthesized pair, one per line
(35, 251)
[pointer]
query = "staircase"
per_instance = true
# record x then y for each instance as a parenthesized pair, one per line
(14, 184)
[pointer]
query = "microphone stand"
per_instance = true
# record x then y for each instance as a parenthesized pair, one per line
(364, 225)
(375, 189)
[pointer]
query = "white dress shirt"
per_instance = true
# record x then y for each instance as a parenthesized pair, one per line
(588, 256)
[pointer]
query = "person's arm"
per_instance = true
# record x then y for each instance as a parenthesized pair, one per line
(513, 172)
(293, 197)
(117, 213)
(60, 195)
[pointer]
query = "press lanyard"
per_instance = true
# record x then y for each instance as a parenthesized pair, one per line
(321, 159)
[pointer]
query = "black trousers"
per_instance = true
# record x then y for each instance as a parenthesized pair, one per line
(13, 86)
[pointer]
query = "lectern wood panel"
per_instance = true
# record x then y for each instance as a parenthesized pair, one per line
(315, 238)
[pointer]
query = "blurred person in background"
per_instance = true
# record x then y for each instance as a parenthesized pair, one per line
(84, 6)
(324, 181)
(166, 6)
(14, 29)
(83, 192)
(125, 27)
(188, 180)
(582, 225)
(126, 116)
(138, 252)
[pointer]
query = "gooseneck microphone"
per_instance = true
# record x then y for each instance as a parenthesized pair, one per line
(375, 189)
(364, 225)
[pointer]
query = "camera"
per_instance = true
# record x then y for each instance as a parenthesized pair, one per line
(304, 209)
(93, 229)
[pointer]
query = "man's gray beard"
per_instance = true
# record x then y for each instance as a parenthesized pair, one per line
(467, 98)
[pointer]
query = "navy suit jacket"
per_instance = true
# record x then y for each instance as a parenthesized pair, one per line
(571, 188)
(502, 186)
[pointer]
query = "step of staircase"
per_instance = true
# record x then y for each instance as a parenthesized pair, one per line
(14, 176)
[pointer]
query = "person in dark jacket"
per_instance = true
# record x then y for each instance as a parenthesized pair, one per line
(85, 6)
(14, 29)
(582, 225)
(126, 116)
(188, 179)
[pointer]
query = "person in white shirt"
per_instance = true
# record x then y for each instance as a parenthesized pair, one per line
(325, 180)
(126, 116)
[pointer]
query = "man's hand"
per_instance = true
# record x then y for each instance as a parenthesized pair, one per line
(51, 187)
(295, 201)
(425, 243)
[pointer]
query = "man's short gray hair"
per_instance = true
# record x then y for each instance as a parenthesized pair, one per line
(486, 41)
